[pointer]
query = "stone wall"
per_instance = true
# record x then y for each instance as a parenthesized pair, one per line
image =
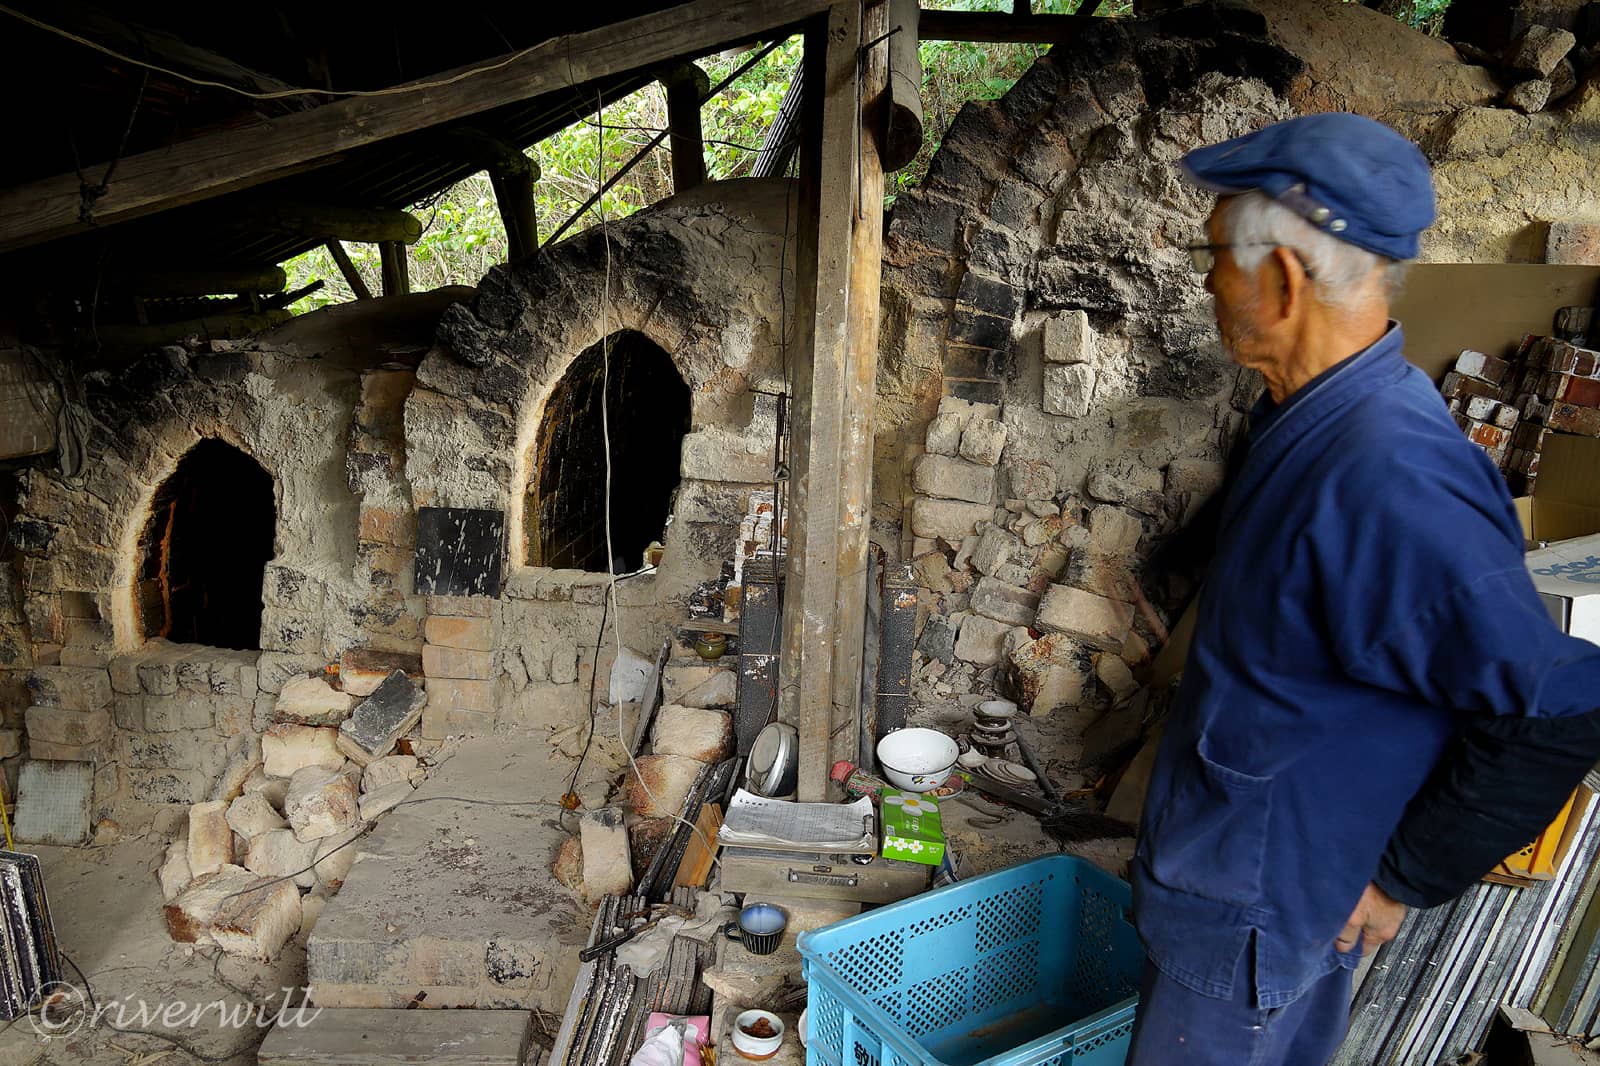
(1053, 404)
(698, 275)
(359, 419)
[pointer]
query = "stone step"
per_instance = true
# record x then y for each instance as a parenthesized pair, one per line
(456, 900)
(332, 1037)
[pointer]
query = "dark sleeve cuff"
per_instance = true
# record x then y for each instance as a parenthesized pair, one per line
(1497, 789)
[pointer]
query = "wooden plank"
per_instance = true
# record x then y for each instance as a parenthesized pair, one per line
(861, 377)
(839, 257)
(357, 1037)
(697, 858)
(999, 27)
(686, 86)
(29, 401)
(229, 160)
(164, 49)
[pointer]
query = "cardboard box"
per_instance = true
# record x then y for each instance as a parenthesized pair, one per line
(1566, 501)
(912, 828)
(1567, 578)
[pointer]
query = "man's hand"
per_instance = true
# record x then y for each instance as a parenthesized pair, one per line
(1375, 921)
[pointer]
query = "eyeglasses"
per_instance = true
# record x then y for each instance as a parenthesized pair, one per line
(1204, 256)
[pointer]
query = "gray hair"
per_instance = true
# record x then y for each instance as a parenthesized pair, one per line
(1254, 224)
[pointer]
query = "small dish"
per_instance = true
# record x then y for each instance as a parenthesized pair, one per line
(757, 1048)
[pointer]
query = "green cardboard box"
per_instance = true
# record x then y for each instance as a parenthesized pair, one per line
(912, 829)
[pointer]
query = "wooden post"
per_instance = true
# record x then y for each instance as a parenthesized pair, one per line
(902, 124)
(352, 276)
(839, 259)
(686, 86)
(513, 194)
(396, 276)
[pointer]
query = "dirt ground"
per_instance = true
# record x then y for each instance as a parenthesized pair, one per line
(106, 904)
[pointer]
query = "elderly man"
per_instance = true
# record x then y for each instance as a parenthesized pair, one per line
(1376, 707)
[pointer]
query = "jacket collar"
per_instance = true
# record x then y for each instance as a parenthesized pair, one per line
(1275, 427)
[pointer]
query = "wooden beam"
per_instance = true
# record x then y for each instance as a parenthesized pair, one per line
(999, 27)
(363, 225)
(164, 49)
(229, 160)
(839, 261)
(902, 120)
(686, 86)
(352, 276)
(396, 275)
(199, 282)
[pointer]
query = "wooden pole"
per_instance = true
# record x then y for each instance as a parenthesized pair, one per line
(352, 276)
(396, 275)
(839, 259)
(902, 123)
(686, 86)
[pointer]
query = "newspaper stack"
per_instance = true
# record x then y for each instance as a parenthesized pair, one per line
(757, 822)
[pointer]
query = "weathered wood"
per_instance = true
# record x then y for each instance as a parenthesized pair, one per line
(697, 857)
(513, 195)
(839, 256)
(163, 49)
(29, 401)
(234, 159)
(686, 86)
(325, 222)
(352, 276)
(197, 282)
(512, 175)
(902, 99)
(355, 1037)
(999, 27)
(783, 136)
(396, 272)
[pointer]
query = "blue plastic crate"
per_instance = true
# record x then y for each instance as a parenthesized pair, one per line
(985, 971)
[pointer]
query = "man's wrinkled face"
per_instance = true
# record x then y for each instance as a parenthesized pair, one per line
(1238, 297)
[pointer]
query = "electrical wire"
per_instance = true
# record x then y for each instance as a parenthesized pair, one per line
(181, 1045)
(278, 94)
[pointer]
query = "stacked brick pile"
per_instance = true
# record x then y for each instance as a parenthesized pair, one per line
(1508, 406)
(253, 865)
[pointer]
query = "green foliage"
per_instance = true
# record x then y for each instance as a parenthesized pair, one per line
(462, 234)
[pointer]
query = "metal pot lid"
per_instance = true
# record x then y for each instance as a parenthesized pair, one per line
(771, 757)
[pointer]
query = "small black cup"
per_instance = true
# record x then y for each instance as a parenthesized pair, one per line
(759, 928)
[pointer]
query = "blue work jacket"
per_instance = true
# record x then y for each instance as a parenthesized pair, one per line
(1368, 591)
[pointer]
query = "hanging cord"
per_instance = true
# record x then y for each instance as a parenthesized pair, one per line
(87, 193)
(279, 94)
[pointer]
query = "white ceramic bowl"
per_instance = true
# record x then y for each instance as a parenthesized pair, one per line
(917, 760)
(757, 1047)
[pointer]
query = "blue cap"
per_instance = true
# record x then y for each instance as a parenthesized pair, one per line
(1354, 178)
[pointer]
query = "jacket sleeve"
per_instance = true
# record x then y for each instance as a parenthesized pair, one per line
(1497, 788)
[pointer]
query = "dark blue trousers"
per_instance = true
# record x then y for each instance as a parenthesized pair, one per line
(1178, 1027)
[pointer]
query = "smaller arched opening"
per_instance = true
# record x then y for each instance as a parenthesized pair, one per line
(645, 414)
(205, 549)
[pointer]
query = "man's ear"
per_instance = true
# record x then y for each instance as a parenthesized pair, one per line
(1291, 281)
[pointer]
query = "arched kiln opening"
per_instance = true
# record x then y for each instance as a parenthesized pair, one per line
(647, 403)
(204, 551)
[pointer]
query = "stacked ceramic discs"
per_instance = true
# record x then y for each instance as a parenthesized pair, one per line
(1008, 773)
(991, 726)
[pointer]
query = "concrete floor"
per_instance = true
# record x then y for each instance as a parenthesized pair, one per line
(106, 905)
